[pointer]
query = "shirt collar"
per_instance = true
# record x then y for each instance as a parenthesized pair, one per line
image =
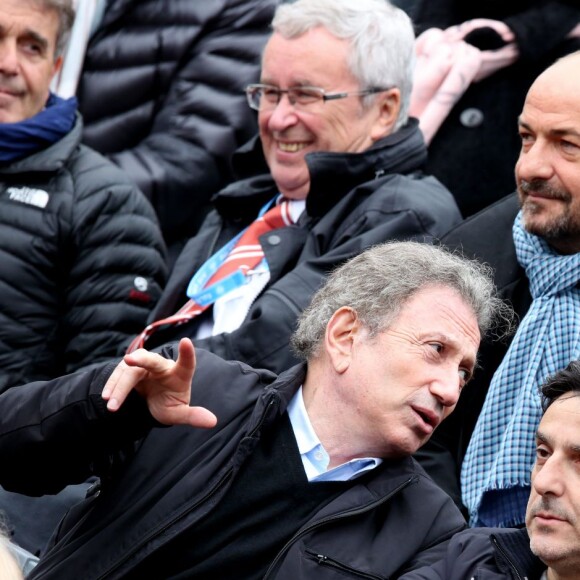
(315, 458)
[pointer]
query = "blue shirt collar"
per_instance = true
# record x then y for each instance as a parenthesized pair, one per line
(315, 459)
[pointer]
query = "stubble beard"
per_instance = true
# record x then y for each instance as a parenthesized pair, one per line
(558, 229)
(544, 542)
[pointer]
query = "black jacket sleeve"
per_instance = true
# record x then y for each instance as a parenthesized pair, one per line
(173, 109)
(59, 432)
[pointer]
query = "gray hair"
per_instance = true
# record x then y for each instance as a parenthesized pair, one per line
(66, 16)
(381, 36)
(377, 283)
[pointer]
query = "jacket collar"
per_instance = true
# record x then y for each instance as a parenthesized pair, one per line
(332, 175)
(275, 399)
(516, 545)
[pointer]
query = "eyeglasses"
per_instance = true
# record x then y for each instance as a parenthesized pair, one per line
(267, 97)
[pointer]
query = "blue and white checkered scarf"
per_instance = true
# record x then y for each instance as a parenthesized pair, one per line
(501, 452)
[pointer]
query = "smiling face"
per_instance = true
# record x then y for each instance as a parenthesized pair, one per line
(28, 34)
(548, 169)
(317, 59)
(396, 387)
(553, 514)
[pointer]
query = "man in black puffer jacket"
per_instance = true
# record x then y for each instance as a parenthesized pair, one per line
(82, 257)
(161, 94)
(81, 252)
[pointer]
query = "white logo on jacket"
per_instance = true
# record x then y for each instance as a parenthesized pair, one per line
(28, 195)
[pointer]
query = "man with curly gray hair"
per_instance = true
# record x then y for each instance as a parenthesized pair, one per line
(305, 475)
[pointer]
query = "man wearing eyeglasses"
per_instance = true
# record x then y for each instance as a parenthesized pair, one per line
(336, 168)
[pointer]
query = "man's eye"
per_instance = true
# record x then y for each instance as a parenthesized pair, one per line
(305, 96)
(569, 145)
(32, 47)
(542, 453)
(271, 95)
(436, 346)
(465, 375)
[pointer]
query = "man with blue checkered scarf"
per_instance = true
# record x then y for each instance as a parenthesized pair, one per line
(532, 241)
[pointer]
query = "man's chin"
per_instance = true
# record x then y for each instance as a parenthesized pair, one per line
(540, 220)
(7, 116)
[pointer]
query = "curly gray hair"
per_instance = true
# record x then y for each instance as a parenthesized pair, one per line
(377, 283)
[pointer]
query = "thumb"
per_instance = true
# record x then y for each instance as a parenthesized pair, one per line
(199, 417)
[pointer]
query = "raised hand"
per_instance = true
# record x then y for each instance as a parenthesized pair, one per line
(165, 385)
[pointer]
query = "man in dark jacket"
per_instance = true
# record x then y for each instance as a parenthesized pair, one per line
(81, 252)
(549, 547)
(535, 254)
(83, 258)
(161, 92)
(307, 475)
(336, 143)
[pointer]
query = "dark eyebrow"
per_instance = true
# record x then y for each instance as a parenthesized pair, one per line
(565, 133)
(37, 38)
(31, 34)
(543, 438)
(553, 132)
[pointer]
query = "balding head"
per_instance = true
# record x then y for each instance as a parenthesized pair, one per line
(548, 169)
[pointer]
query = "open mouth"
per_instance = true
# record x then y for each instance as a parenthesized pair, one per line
(291, 147)
(429, 418)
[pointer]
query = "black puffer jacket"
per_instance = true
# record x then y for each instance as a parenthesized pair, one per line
(476, 147)
(82, 261)
(393, 520)
(162, 96)
(355, 200)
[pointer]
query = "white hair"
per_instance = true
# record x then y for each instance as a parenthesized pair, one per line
(381, 36)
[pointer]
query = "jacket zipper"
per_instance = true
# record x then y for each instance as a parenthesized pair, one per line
(227, 475)
(211, 247)
(507, 559)
(285, 300)
(326, 561)
(330, 520)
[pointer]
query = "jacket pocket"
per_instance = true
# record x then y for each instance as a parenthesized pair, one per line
(346, 570)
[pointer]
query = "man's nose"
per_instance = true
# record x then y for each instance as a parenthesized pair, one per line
(447, 387)
(283, 115)
(535, 163)
(8, 58)
(548, 478)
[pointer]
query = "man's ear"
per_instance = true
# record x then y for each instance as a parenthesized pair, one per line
(340, 332)
(389, 103)
(57, 66)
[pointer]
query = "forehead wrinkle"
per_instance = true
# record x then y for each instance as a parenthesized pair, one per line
(464, 326)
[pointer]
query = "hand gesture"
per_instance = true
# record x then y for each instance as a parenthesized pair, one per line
(165, 385)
